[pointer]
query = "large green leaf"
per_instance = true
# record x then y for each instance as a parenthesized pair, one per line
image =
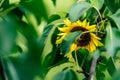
(97, 3)
(113, 5)
(116, 18)
(112, 40)
(77, 10)
(68, 40)
(63, 71)
(46, 40)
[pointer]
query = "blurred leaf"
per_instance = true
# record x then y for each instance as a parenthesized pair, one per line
(117, 75)
(4, 4)
(113, 5)
(116, 18)
(111, 66)
(54, 2)
(68, 40)
(77, 10)
(97, 3)
(7, 34)
(53, 17)
(6, 11)
(112, 40)
(61, 8)
(11, 72)
(38, 9)
(96, 54)
(66, 75)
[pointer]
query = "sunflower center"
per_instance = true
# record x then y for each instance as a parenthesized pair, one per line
(84, 39)
(78, 28)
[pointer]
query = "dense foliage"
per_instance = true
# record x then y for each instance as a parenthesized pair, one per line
(28, 34)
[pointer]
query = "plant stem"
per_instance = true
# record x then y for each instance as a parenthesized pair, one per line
(92, 69)
(76, 60)
(98, 12)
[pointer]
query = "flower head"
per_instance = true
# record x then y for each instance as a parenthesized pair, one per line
(88, 40)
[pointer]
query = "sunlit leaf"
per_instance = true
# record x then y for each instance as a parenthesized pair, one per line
(61, 8)
(97, 3)
(68, 40)
(60, 69)
(116, 18)
(77, 10)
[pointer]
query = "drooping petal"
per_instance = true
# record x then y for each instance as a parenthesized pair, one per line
(73, 47)
(60, 40)
(67, 22)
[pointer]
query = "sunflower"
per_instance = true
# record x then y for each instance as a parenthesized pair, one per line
(88, 40)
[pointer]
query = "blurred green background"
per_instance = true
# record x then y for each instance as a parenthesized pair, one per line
(28, 31)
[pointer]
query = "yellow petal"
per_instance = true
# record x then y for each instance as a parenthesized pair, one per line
(65, 29)
(73, 47)
(67, 22)
(94, 36)
(61, 34)
(92, 28)
(84, 23)
(79, 23)
(100, 44)
(95, 41)
(60, 40)
(93, 46)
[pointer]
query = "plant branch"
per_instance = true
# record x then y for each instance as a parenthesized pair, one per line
(92, 69)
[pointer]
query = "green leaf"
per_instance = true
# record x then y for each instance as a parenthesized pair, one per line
(66, 75)
(113, 5)
(46, 40)
(48, 45)
(77, 10)
(54, 71)
(116, 18)
(111, 66)
(68, 40)
(97, 3)
(112, 40)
